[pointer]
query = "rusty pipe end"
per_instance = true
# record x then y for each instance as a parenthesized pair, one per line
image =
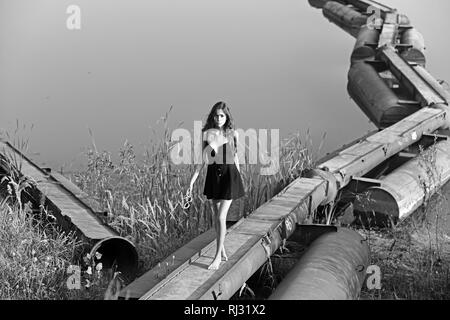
(376, 207)
(118, 254)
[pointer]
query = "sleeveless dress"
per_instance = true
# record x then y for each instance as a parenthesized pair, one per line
(223, 180)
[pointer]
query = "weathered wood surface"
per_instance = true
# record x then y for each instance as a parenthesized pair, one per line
(410, 78)
(362, 157)
(70, 207)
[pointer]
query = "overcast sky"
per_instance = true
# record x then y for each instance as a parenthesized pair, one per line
(277, 63)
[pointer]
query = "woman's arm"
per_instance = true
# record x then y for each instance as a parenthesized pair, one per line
(199, 167)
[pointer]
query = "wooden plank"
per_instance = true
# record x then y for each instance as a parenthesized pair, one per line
(388, 35)
(182, 256)
(298, 195)
(362, 148)
(337, 163)
(196, 279)
(425, 114)
(268, 213)
(288, 197)
(282, 208)
(432, 82)
(59, 198)
(391, 18)
(384, 137)
(409, 77)
(253, 226)
(305, 189)
(286, 204)
(403, 126)
(201, 244)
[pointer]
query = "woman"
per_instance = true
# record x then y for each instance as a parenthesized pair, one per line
(223, 182)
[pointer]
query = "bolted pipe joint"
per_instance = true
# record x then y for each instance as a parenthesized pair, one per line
(415, 39)
(332, 183)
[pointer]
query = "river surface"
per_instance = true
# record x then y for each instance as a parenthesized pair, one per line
(278, 64)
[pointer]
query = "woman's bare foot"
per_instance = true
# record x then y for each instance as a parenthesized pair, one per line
(214, 265)
(224, 255)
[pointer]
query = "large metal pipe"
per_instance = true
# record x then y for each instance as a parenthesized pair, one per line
(374, 96)
(116, 250)
(368, 6)
(366, 44)
(345, 17)
(74, 210)
(317, 3)
(364, 5)
(333, 268)
(415, 39)
(358, 160)
(405, 189)
(432, 82)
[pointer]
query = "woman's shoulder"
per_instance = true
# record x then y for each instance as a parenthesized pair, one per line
(232, 134)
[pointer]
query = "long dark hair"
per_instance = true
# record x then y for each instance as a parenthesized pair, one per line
(229, 124)
(228, 127)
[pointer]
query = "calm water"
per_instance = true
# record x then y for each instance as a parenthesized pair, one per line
(279, 64)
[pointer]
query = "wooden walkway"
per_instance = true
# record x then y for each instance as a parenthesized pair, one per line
(423, 91)
(67, 204)
(248, 243)
(359, 159)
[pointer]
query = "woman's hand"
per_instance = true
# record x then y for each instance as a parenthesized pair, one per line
(187, 198)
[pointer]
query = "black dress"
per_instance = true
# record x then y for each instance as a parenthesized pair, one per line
(223, 180)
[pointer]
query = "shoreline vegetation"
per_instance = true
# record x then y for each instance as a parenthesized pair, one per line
(144, 204)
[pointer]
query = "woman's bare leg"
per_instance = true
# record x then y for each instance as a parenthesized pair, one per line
(216, 222)
(222, 226)
(216, 206)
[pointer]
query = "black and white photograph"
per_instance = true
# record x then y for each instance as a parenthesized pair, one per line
(247, 151)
